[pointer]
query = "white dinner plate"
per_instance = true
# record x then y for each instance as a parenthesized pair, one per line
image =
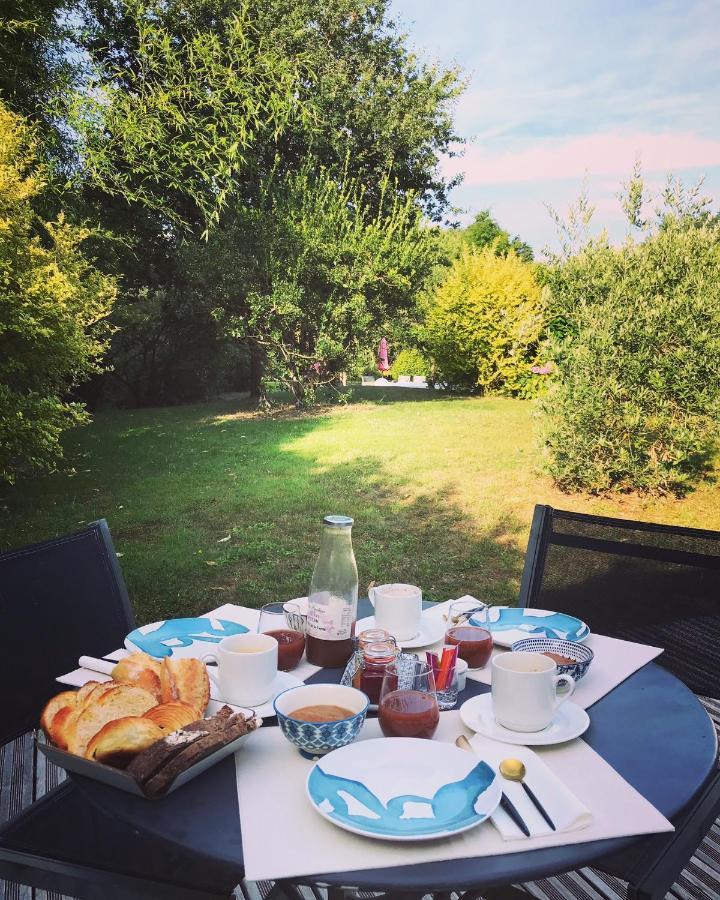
(403, 789)
(283, 681)
(432, 630)
(508, 624)
(570, 721)
(183, 638)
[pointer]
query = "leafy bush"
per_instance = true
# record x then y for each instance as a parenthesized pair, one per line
(410, 361)
(52, 311)
(637, 400)
(484, 323)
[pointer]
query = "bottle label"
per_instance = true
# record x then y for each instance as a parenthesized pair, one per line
(330, 618)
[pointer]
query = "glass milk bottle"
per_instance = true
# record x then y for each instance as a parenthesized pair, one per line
(332, 602)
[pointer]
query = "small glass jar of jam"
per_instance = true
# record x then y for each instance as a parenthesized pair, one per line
(375, 656)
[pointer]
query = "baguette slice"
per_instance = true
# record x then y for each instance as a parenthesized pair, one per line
(121, 740)
(85, 691)
(130, 666)
(95, 693)
(62, 726)
(186, 680)
(142, 670)
(116, 703)
(53, 706)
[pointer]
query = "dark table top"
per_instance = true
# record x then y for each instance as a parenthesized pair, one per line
(651, 729)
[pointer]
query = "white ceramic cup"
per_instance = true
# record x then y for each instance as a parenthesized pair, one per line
(524, 690)
(247, 668)
(398, 609)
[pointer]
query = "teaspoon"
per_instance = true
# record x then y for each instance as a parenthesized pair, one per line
(514, 770)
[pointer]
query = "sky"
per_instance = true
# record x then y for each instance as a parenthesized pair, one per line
(566, 92)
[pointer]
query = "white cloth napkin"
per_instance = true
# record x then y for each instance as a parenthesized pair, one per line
(566, 811)
(614, 662)
(276, 812)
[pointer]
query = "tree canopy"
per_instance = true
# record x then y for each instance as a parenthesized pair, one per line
(485, 232)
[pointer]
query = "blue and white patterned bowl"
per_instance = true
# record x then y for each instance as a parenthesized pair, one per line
(317, 738)
(582, 655)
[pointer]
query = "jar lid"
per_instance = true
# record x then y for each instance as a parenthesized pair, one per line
(338, 521)
(380, 650)
(371, 635)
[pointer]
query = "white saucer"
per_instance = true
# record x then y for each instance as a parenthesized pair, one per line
(283, 681)
(570, 722)
(431, 631)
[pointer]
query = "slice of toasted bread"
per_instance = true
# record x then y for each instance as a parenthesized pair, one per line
(120, 741)
(53, 706)
(116, 703)
(173, 715)
(193, 752)
(149, 761)
(186, 680)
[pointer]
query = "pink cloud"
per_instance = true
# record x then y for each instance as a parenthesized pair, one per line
(597, 154)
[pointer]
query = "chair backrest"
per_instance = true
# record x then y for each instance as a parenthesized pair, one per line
(655, 584)
(58, 600)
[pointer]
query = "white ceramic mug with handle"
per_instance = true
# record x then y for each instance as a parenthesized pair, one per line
(247, 666)
(524, 690)
(398, 609)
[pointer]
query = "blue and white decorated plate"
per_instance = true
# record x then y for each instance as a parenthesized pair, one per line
(508, 624)
(184, 638)
(403, 789)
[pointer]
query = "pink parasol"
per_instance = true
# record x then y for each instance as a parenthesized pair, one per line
(383, 365)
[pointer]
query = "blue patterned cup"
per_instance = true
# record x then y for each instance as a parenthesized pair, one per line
(317, 738)
(580, 655)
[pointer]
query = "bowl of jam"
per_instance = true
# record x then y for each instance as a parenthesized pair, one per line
(318, 718)
(570, 658)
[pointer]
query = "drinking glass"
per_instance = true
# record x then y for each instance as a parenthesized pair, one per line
(473, 642)
(408, 702)
(291, 643)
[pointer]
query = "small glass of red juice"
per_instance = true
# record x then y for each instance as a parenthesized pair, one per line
(291, 643)
(473, 642)
(408, 702)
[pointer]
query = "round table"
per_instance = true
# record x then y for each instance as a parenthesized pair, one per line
(650, 728)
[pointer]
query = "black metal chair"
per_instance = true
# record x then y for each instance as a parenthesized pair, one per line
(655, 584)
(60, 599)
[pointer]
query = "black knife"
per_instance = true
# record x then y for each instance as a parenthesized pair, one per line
(538, 806)
(509, 808)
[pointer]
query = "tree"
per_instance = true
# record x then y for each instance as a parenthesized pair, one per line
(175, 122)
(484, 323)
(53, 309)
(485, 232)
(362, 107)
(307, 275)
(363, 103)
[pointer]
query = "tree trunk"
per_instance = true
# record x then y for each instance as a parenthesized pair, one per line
(257, 365)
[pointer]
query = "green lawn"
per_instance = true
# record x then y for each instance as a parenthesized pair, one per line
(442, 491)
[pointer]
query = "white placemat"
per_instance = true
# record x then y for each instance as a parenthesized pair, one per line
(230, 611)
(614, 662)
(284, 837)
